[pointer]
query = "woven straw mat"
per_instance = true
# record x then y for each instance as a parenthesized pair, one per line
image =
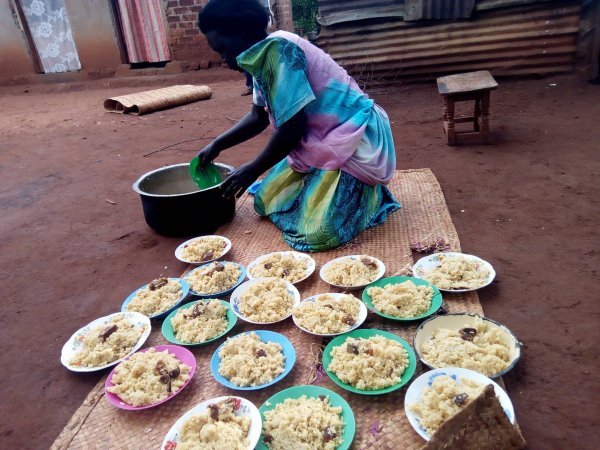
(380, 420)
(156, 99)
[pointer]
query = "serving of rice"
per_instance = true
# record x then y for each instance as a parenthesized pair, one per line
(217, 428)
(457, 272)
(204, 249)
(369, 363)
(443, 399)
(247, 361)
(148, 377)
(351, 272)
(213, 278)
(328, 314)
(281, 265)
(304, 424)
(478, 346)
(157, 297)
(107, 343)
(404, 299)
(204, 321)
(267, 300)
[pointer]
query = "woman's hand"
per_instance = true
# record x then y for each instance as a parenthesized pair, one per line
(240, 180)
(208, 154)
(282, 142)
(252, 124)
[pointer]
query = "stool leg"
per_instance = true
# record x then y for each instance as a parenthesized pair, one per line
(476, 115)
(445, 112)
(485, 113)
(450, 115)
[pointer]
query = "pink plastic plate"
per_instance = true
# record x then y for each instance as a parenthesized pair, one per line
(181, 353)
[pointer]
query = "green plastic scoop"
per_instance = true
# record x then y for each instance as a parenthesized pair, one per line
(205, 177)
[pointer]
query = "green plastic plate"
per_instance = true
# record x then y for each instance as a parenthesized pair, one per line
(205, 177)
(436, 301)
(169, 333)
(312, 392)
(367, 333)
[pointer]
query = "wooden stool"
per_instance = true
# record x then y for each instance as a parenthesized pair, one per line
(461, 88)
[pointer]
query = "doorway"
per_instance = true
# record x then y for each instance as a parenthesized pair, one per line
(141, 32)
(49, 35)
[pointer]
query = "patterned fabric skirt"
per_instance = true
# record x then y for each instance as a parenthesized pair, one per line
(321, 209)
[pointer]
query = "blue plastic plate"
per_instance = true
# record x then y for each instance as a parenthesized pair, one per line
(265, 336)
(185, 287)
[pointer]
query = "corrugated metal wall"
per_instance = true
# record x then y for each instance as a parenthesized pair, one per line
(589, 40)
(437, 9)
(527, 39)
(336, 11)
(492, 4)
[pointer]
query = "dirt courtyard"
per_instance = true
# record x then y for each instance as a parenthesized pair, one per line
(74, 242)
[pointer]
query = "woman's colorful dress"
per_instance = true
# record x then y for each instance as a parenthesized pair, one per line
(332, 185)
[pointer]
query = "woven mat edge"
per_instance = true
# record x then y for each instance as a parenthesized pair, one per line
(77, 420)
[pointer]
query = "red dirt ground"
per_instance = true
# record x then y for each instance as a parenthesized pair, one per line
(528, 203)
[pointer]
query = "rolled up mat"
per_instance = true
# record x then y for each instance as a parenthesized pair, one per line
(156, 99)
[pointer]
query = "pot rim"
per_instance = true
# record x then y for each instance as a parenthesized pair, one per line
(136, 186)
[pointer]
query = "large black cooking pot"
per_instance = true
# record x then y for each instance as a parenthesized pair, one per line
(175, 206)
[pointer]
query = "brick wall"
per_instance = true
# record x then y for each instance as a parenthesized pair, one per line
(187, 43)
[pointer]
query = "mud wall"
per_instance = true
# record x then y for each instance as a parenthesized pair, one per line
(95, 35)
(93, 28)
(94, 32)
(15, 59)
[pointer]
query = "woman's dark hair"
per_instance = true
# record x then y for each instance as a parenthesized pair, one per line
(234, 17)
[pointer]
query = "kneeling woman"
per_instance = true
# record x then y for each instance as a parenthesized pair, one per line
(331, 151)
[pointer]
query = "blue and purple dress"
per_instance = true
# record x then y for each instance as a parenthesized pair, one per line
(332, 185)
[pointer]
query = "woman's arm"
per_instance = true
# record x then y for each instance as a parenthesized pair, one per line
(282, 142)
(252, 124)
